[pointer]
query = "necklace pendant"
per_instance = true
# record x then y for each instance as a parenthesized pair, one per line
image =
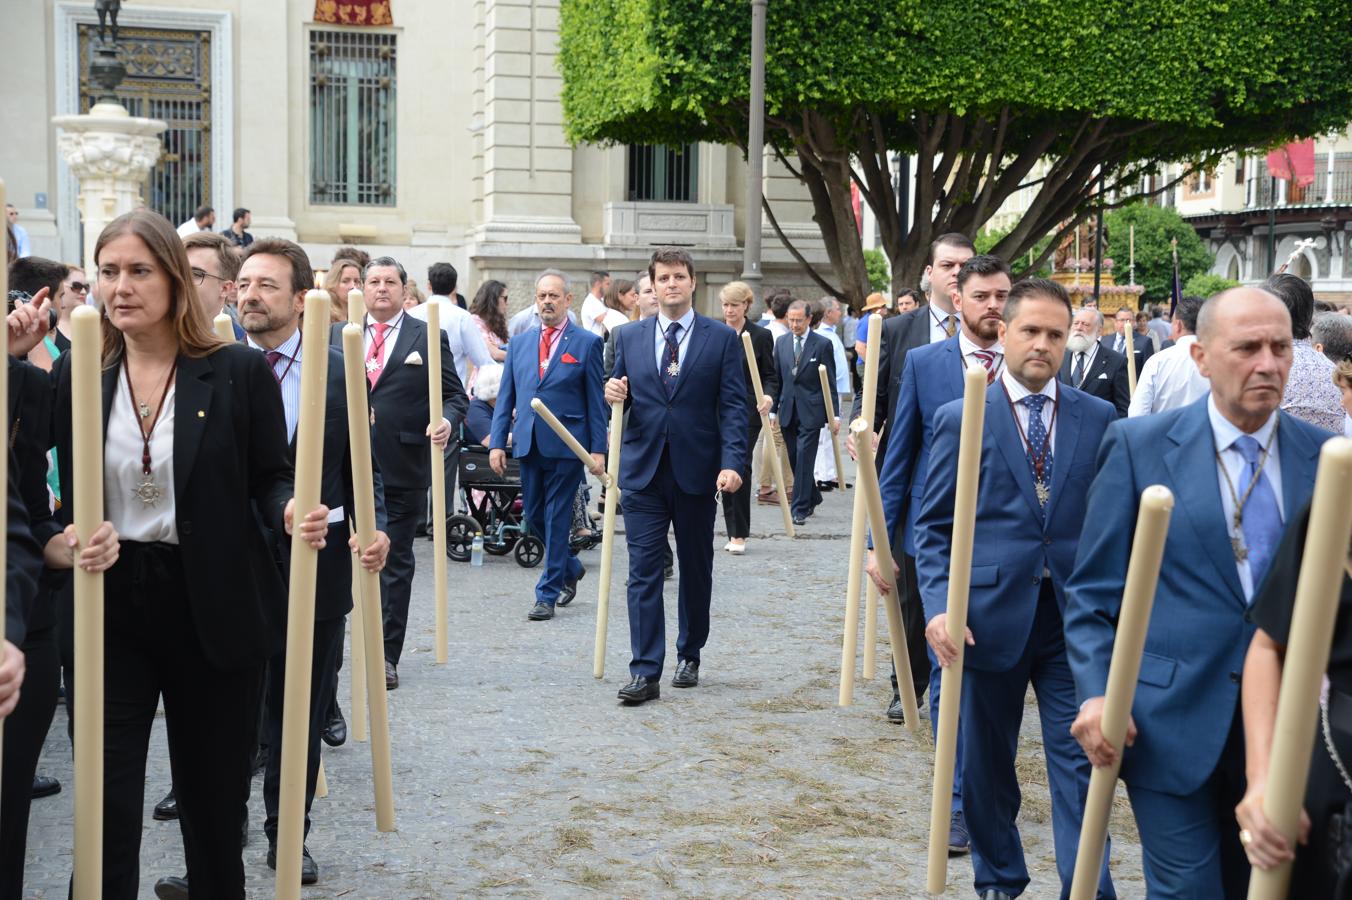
(143, 409)
(673, 369)
(148, 492)
(1237, 545)
(1044, 493)
(372, 365)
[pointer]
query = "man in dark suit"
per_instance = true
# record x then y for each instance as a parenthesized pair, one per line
(396, 367)
(273, 278)
(932, 376)
(681, 377)
(1093, 368)
(1239, 469)
(1037, 459)
(736, 299)
(560, 363)
(799, 407)
(1142, 347)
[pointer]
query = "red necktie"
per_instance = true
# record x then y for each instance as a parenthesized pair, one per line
(988, 360)
(546, 348)
(375, 357)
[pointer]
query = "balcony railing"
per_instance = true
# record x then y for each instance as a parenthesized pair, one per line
(1317, 193)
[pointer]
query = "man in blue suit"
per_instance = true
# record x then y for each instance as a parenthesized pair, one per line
(799, 407)
(1239, 469)
(560, 363)
(1037, 459)
(932, 376)
(680, 375)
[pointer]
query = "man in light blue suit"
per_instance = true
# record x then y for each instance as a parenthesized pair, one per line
(1037, 460)
(560, 363)
(932, 376)
(1238, 468)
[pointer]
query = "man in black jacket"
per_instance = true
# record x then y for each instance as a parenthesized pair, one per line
(396, 367)
(799, 406)
(736, 298)
(1091, 366)
(273, 279)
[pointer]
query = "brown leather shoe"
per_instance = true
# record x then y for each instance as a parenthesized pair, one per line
(770, 498)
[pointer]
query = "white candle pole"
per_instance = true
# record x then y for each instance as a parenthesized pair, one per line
(86, 351)
(355, 311)
(364, 516)
(569, 441)
(1318, 590)
(830, 418)
(224, 327)
(300, 625)
(1131, 356)
(608, 540)
(858, 532)
(1138, 597)
(1131, 243)
(434, 404)
(776, 463)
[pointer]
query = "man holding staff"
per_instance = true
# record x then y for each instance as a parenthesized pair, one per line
(273, 279)
(680, 376)
(799, 407)
(396, 352)
(560, 363)
(736, 298)
(1238, 468)
(1037, 458)
(932, 376)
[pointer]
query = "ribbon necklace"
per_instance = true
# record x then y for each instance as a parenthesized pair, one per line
(1237, 537)
(148, 492)
(1039, 463)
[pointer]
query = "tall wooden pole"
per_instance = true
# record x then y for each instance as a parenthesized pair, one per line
(1130, 346)
(86, 353)
(1138, 597)
(434, 400)
(959, 584)
(1318, 590)
(835, 435)
(776, 464)
(858, 539)
(356, 310)
(608, 539)
(300, 623)
(364, 515)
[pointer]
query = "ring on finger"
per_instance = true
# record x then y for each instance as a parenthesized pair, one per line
(1245, 837)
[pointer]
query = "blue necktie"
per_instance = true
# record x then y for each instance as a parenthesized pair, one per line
(1262, 517)
(671, 363)
(1037, 440)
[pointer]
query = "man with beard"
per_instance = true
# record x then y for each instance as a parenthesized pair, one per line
(982, 287)
(1090, 367)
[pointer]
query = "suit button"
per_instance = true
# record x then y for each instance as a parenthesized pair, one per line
(1037, 580)
(185, 527)
(1047, 541)
(1234, 676)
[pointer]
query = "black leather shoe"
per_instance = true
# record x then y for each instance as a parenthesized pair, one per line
(45, 786)
(171, 887)
(391, 676)
(540, 611)
(335, 732)
(799, 521)
(895, 714)
(669, 573)
(640, 690)
(570, 588)
(167, 809)
(309, 869)
(687, 674)
(993, 894)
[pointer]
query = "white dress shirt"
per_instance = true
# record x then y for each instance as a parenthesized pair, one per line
(1088, 357)
(593, 311)
(1226, 433)
(467, 343)
(937, 318)
(1017, 392)
(287, 370)
(1169, 379)
(842, 367)
(683, 339)
(391, 334)
(777, 329)
(969, 348)
(134, 520)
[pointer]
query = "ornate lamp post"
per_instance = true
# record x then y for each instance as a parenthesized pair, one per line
(755, 151)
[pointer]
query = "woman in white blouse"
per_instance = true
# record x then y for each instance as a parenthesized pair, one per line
(195, 463)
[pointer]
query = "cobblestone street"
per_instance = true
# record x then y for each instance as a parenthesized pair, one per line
(518, 774)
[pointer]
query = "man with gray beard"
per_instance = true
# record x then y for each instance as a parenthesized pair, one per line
(1092, 366)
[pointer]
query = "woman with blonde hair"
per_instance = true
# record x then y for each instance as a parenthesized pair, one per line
(344, 275)
(737, 297)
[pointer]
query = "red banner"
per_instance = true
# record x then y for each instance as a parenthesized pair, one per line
(1294, 163)
(353, 12)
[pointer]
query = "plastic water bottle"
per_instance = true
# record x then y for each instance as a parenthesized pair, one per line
(476, 553)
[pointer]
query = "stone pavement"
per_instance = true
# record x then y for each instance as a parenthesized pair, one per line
(518, 774)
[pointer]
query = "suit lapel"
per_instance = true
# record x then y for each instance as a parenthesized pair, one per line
(110, 391)
(692, 353)
(1065, 445)
(1192, 466)
(409, 329)
(955, 368)
(1005, 432)
(192, 406)
(1300, 460)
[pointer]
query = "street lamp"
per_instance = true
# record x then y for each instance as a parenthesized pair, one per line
(755, 151)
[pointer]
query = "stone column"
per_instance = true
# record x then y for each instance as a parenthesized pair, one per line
(111, 153)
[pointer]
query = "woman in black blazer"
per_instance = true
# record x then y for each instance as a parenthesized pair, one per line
(195, 458)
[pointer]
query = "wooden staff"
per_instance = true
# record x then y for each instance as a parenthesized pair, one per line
(300, 625)
(830, 418)
(869, 669)
(355, 310)
(777, 465)
(608, 539)
(857, 535)
(87, 457)
(578, 450)
(896, 631)
(1138, 596)
(225, 329)
(1131, 359)
(1307, 655)
(438, 482)
(959, 584)
(364, 515)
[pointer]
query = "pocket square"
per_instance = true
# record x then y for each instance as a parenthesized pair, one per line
(1103, 376)
(413, 359)
(568, 358)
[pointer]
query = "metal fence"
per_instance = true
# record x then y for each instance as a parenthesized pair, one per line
(659, 172)
(352, 118)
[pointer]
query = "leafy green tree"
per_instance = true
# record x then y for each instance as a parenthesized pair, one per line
(879, 279)
(1156, 226)
(1205, 284)
(1046, 96)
